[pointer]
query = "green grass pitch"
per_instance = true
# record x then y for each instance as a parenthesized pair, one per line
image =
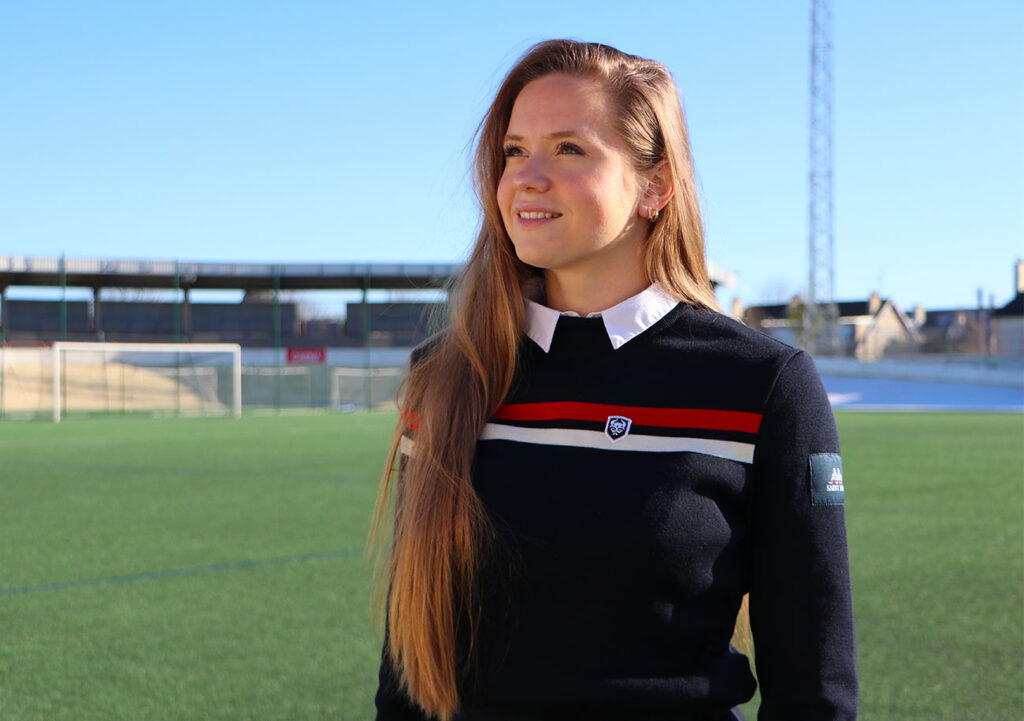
(213, 569)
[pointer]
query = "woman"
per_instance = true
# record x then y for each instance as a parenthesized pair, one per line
(595, 466)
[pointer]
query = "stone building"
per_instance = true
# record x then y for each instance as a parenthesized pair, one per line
(1007, 323)
(868, 329)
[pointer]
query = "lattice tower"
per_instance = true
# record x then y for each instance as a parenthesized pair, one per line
(820, 316)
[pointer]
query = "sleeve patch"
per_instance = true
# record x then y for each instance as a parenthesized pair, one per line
(826, 479)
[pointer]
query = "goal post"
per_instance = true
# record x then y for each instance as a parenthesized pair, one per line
(142, 379)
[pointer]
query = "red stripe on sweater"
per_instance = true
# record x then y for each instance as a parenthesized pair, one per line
(712, 420)
(411, 419)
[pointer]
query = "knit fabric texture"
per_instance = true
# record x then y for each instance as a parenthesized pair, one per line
(638, 493)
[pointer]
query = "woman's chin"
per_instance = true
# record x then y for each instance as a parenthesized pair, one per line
(535, 257)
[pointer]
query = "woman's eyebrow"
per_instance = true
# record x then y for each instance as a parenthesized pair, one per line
(553, 136)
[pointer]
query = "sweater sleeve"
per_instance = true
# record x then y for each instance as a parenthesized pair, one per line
(801, 609)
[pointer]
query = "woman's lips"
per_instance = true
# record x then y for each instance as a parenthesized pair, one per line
(536, 218)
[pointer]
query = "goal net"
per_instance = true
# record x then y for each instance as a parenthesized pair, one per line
(278, 387)
(171, 378)
(353, 388)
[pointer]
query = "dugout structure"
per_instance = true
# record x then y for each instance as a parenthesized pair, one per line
(171, 378)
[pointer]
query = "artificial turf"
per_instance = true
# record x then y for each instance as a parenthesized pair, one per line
(213, 569)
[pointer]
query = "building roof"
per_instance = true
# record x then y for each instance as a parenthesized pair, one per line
(1014, 308)
(97, 273)
(847, 308)
(858, 307)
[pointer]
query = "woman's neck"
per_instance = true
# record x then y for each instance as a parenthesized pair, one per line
(583, 293)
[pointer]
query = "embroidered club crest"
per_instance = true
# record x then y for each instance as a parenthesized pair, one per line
(617, 428)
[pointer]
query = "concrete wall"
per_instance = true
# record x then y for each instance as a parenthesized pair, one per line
(254, 357)
(980, 370)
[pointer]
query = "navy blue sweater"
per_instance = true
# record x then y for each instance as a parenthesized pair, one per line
(639, 493)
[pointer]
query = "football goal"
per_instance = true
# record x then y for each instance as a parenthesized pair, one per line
(171, 378)
(353, 388)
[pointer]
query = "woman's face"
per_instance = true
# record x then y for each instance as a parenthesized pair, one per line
(569, 194)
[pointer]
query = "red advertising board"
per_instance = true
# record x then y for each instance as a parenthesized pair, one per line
(309, 356)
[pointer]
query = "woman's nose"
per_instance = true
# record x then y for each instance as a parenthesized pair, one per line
(532, 174)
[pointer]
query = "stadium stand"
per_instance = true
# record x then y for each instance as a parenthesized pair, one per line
(41, 319)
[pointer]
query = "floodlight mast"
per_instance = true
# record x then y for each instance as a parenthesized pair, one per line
(820, 311)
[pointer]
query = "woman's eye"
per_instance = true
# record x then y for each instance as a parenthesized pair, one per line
(512, 151)
(570, 149)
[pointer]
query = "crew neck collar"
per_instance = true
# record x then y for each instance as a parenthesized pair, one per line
(623, 321)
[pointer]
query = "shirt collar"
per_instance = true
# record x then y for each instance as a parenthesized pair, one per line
(623, 321)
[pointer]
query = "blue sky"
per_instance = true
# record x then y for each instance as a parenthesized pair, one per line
(337, 132)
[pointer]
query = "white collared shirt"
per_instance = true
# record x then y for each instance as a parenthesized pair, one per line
(623, 321)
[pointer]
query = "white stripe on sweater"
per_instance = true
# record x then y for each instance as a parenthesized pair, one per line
(731, 450)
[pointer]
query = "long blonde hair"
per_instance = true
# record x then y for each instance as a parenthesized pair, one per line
(430, 581)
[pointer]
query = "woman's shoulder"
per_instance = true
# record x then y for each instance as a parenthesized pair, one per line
(740, 368)
(427, 348)
(725, 335)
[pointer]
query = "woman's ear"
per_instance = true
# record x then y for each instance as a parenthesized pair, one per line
(658, 191)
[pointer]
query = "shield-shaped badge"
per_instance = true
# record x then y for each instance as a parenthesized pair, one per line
(617, 428)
